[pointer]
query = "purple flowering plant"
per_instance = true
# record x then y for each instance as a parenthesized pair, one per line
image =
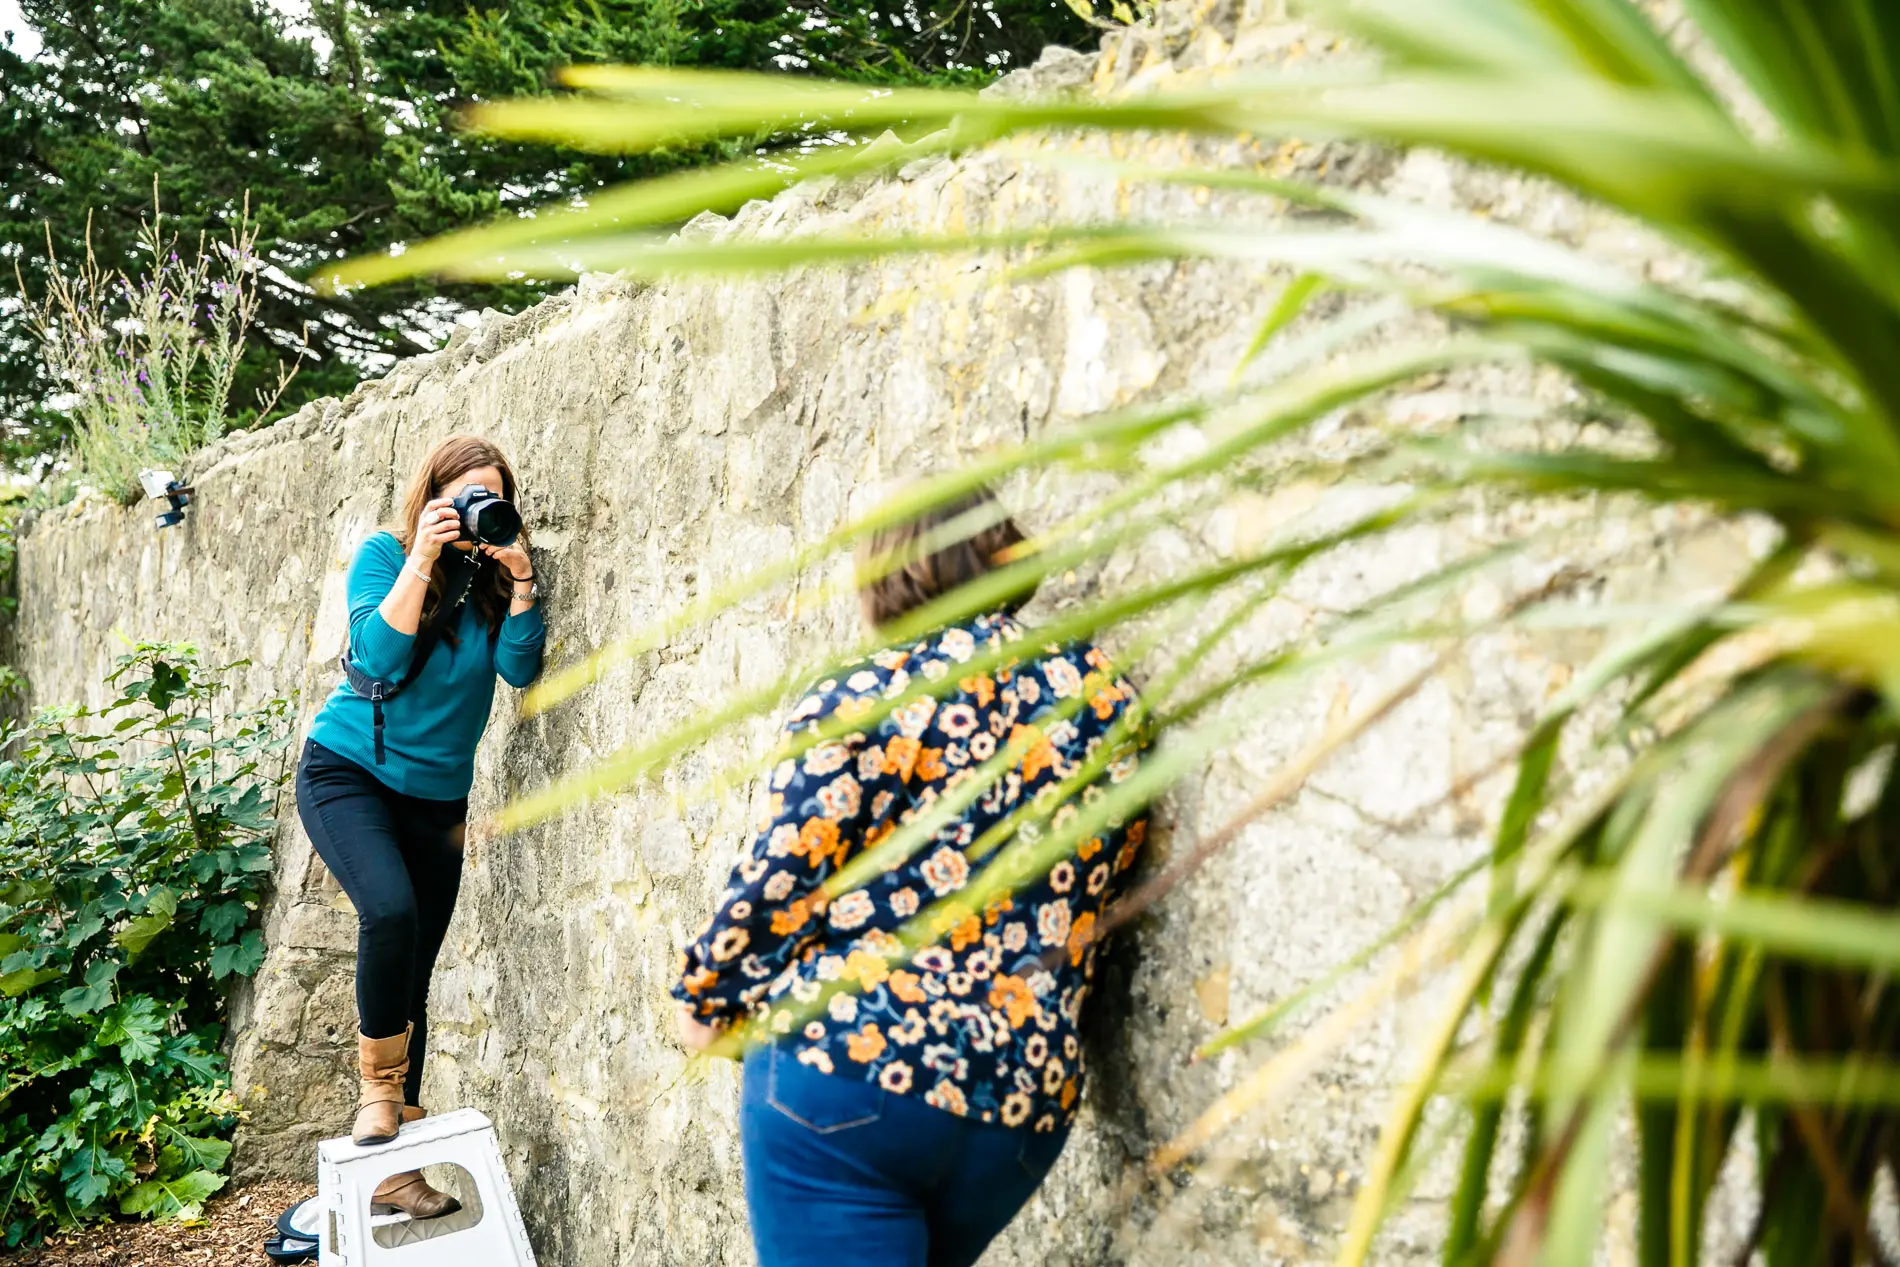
(149, 351)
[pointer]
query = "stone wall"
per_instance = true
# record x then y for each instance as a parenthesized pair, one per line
(671, 437)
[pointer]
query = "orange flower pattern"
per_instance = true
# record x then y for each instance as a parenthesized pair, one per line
(971, 1023)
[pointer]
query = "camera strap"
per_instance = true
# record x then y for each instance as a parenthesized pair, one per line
(456, 582)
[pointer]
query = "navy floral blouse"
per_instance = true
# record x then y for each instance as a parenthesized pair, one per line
(983, 1023)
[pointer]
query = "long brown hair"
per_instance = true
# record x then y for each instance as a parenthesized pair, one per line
(909, 579)
(450, 459)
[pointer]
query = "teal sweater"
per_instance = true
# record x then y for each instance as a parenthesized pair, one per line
(430, 730)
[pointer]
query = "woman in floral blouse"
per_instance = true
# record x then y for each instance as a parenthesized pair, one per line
(914, 1059)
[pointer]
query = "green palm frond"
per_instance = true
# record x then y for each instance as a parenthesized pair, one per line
(1687, 917)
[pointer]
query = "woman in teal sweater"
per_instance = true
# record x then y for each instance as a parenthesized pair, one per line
(386, 810)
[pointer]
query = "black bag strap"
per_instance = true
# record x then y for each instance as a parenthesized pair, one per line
(461, 576)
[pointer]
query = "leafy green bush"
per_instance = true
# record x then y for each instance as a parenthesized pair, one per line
(134, 842)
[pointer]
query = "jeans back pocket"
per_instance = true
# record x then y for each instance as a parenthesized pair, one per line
(1040, 1149)
(820, 1102)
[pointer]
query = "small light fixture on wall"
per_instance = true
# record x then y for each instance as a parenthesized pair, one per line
(161, 485)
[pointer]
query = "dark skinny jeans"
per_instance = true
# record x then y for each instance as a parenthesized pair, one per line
(400, 860)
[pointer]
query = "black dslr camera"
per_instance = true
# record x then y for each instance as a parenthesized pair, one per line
(485, 517)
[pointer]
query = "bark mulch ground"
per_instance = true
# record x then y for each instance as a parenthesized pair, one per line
(236, 1225)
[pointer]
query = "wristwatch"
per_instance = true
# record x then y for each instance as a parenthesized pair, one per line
(532, 596)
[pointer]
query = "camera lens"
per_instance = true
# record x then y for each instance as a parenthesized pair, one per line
(496, 523)
(485, 517)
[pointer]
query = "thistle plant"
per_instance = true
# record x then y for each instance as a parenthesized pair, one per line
(148, 355)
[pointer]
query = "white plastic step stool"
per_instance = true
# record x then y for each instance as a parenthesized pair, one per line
(486, 1232)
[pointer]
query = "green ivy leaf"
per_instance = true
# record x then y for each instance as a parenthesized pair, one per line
(136, 1027)
(83, 930)
(161, 905)
(25, 960)
(95, 994)
(116, 1084)
(222, 920)
(14, 984)
(185, 1052)
(63, 1135)
(167, 684)
(180, 1198)
(201, 1154)
(91, 1171)
(254, 857)
(244, 956)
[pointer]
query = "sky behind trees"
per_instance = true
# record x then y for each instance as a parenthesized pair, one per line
(15, 30)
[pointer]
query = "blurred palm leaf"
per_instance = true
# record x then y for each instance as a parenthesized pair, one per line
(1708, 941)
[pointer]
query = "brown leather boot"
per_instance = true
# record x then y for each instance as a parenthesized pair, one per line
(409, 1193)
(382, 1064)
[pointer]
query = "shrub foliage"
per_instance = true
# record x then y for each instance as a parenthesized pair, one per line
(134, 847)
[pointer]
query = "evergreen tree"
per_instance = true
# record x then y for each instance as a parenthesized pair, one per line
(337, 125)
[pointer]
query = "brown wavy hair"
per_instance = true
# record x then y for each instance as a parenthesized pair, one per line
(451, 458)
(911, 584)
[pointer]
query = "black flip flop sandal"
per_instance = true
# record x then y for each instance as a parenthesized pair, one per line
(296, 1239)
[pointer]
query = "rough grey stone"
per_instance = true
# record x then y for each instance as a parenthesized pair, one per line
(1056, 72)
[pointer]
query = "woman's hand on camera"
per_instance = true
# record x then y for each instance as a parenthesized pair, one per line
(513, 560)
(438, 527)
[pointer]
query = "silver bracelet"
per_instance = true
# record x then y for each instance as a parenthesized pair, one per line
(411, 565)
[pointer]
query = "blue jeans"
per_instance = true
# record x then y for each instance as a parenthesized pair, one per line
(840, 1173)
